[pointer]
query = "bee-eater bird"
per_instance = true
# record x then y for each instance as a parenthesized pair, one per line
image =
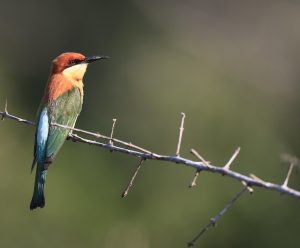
(61, 104)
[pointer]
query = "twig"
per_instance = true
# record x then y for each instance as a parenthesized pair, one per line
(139, 152)
(125, 193)
(180, 134)
(213, 221)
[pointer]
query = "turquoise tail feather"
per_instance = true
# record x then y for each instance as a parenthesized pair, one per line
(38, 198)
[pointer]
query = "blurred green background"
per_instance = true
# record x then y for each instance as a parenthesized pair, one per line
(231, 66)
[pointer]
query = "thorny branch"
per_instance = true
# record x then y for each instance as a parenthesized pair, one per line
(117, 145)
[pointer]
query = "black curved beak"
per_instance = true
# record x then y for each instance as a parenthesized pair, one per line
(94, 58)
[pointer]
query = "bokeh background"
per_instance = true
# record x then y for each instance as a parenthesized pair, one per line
(231, 66)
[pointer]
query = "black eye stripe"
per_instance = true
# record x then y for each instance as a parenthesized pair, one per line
(74, 62)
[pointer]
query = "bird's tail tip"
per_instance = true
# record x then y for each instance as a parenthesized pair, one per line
(38, 198)
(37, 202)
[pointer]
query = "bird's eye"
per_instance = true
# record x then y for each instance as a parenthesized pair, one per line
(74, 61)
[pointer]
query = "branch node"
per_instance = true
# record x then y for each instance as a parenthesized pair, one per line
(213, 221)
(232, 158)
(130, 184)
(180, 134)
(197, 155)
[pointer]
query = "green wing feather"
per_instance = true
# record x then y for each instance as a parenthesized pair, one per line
(64, 110)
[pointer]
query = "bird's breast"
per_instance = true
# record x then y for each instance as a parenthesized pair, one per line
(59, 84)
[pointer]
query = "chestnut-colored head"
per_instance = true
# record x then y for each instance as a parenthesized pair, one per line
(73, 65)
(66, 60)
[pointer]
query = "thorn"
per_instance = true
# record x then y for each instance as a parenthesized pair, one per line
(234, 155)
(112, 132)
(250, 189)
(286, 181)
(256, 178)
(5, 108)
(5, 111)
(196, 154)
(180, 134)
(193, 183)
(125, 193)
(292, 160)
